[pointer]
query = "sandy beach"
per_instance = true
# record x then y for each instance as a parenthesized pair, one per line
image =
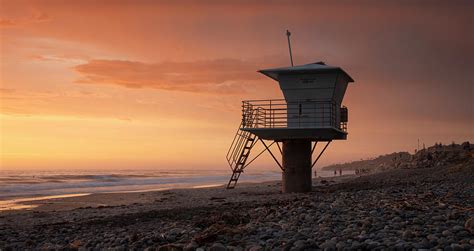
(429, 208)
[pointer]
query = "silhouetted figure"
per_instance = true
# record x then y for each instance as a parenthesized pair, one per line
(335, 172)
(340, 172)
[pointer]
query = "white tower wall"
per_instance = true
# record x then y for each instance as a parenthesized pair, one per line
(329, 88)
(319, 86)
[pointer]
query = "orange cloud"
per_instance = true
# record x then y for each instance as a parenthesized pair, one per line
(59, 58)
(6, 90)
(4, 22)
(208, 76)
(36, 18)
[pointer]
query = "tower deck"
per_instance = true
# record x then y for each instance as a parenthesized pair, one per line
(298, 119)
(285, 133)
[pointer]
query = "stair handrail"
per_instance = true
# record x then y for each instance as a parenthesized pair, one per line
(229, 153)
(240, 136)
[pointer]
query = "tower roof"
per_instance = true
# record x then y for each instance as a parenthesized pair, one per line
(275, 73)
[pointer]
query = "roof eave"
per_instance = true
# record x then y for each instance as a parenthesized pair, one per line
(273, 76)
(266, 73)
(350, 79)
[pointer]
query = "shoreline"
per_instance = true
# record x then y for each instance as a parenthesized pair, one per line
(29, 202)
(26, 185)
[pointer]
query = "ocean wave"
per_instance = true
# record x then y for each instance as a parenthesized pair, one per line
(50, 184)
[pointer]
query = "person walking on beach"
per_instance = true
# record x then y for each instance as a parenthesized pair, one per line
(335, 172)
(340, 172)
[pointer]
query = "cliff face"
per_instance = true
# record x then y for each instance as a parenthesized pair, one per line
(434, 156)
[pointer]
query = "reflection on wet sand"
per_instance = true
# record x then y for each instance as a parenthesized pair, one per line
(29, 203)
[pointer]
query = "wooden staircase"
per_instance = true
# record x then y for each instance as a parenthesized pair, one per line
(239, 165)
(239, 150)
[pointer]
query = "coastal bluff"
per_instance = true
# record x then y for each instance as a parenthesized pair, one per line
(438, 155)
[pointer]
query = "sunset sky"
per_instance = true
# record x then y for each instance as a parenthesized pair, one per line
(158, 84)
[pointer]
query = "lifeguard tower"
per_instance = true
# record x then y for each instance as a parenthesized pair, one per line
(311, 111)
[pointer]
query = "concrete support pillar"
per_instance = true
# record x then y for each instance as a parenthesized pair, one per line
(297, 166)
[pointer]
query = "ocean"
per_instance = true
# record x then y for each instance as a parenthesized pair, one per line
(31, 184)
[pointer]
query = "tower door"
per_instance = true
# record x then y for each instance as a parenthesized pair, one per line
(309, 114)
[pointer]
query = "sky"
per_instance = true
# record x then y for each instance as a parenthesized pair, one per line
(141, 84)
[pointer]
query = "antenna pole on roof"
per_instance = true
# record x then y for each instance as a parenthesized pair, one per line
(288, 34)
